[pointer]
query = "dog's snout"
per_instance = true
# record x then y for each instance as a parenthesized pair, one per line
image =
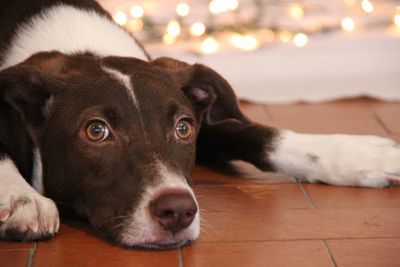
(174, 211)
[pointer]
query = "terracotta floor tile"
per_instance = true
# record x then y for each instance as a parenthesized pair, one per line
(239, 198)
(14, 258)
(76, 246)
(366, 252)
(203, 176)
(389, 113)
(350, 109)
(261, 225)
(257, 113)
(254, 254)
(325, 196)
(366, 126)
(15, 245)
(396, 137)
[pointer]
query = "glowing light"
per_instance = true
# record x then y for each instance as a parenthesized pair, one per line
(348, 24)
(136, 25)
(296, 11)
(182, 9)
(285, 36)
(246, 42)
(232, 4)
(173, 28)
(220, 6)
(367, 6)
(269, 35)
(197, 29)
(209, 46)
(397, 20)
(350, 2)
(300, 40)
(216, 7)
(120, 18)
(168, 39)
(137, 11)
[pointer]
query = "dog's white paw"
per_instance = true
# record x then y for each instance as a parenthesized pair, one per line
(26, 215)
(346, 160)
(367, 161)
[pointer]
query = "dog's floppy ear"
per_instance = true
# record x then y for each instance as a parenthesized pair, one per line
(26, 86)
(206, 89)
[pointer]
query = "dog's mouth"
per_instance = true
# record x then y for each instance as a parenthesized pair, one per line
(164, 245)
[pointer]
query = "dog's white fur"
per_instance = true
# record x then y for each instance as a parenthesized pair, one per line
(346, 160)
(70, 30)
(21, 207)
(143, 230)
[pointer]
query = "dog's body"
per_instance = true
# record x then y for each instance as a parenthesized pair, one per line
(91, 124)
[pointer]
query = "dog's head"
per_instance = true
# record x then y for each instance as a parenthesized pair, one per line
(117, 138)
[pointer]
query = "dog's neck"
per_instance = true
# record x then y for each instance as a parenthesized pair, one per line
(70, 30)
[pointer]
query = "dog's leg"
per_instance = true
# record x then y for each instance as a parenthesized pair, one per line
(345, 160)
(24, 213)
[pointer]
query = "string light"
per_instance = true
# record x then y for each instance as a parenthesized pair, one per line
(134, 19)
(220, 6)
(120, 18)
(168, 39)
(300, 40)
(348, 24)
(397, 20)
(136, 25)
(246, 42)
(285, 36)
(182, 9)
(296, 11)
(137, 11)
(209, 45)
(197, 29)
(173, 28)
(367, 6)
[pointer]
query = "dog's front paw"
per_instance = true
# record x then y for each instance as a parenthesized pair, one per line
(380, 163)
(27, 216)
(367, 161)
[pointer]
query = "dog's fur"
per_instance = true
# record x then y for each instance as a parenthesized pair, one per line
(65, 63)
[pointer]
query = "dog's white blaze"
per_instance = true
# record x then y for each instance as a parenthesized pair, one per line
(124, 80)
(37, 174)
(142, 229)
(346, 160)
(69, 30)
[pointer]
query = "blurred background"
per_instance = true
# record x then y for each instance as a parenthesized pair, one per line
(277, 51)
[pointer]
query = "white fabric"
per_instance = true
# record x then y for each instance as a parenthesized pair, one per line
(331, 66)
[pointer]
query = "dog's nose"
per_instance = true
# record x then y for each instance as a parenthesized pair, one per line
(174, 211)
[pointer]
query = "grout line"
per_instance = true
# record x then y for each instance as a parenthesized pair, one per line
(382, 124)
(330, 254)
(180, 255)
(309, 200)
(32, 255)
(267, 111)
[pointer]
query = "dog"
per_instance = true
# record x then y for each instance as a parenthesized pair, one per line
(91, 124)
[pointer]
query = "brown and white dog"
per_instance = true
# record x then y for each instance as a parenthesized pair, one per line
(96, 127)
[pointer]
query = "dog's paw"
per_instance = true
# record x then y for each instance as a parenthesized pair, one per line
(26, 216)
(367, 161)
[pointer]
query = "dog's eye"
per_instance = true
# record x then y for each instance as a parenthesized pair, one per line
(97, 131)
(184, 129)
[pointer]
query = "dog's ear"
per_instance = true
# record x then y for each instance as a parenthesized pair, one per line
(26, 87)
(206, 89)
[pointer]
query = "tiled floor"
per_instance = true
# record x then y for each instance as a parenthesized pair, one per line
(264, 222)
